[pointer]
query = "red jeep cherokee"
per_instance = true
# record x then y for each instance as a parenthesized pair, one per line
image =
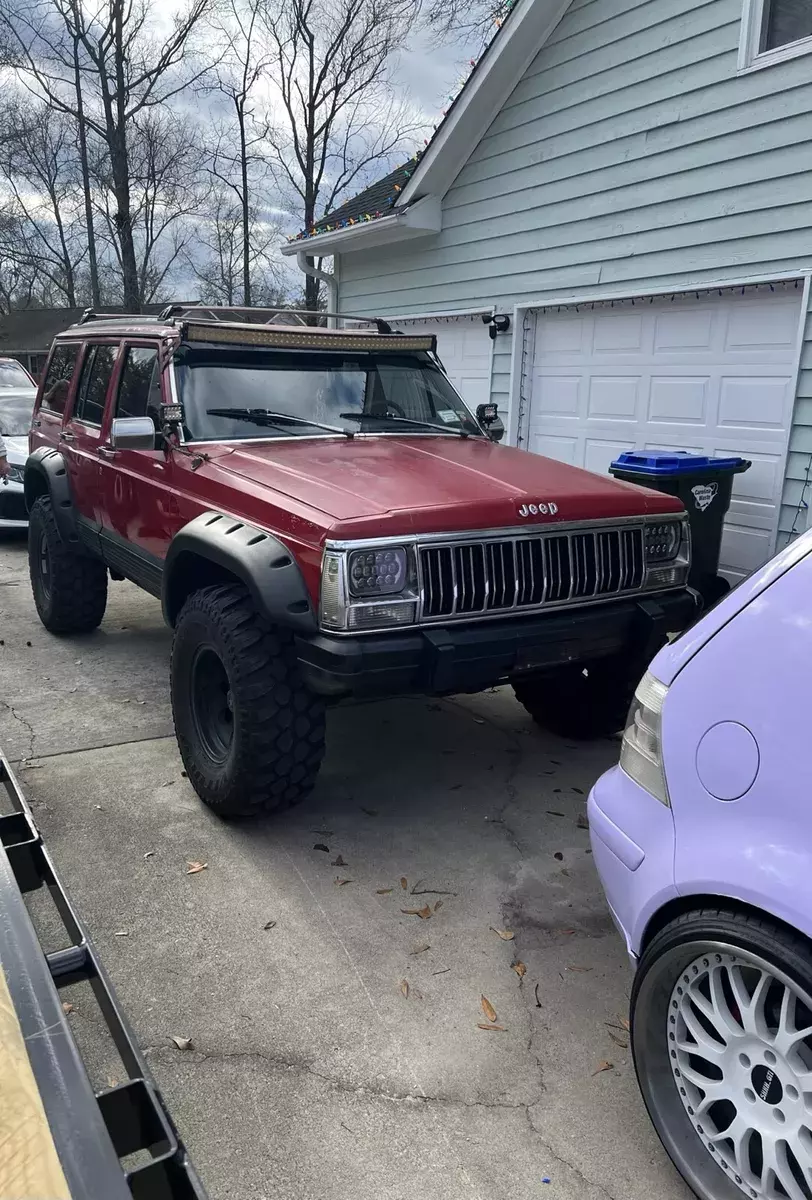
(323, 518)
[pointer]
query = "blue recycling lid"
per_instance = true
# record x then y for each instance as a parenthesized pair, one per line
(674, 462)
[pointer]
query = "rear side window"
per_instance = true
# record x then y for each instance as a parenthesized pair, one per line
(57, 380)
(139, 392)
(93, 384)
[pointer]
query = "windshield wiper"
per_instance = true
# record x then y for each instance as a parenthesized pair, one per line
(264, 416)
(404, 421)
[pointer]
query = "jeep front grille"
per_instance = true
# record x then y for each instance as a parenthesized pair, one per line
(498, 575)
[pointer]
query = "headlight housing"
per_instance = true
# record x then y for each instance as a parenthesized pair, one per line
(668, 552)
(641, 754)
(368, 588)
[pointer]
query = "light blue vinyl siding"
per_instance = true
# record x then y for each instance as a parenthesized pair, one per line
(630, 156)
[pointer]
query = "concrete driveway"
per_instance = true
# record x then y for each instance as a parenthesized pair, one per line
(336, 1053)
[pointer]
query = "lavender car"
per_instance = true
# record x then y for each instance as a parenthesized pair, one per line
(703, 840)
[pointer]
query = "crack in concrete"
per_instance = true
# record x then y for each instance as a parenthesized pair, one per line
(26, 725)
(571, 1166)
(341, 1085)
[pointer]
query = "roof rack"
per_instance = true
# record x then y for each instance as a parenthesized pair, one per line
(262, 316)
(93, 1133)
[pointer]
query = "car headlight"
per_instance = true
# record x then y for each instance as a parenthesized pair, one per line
(668, 552)
(373, 587)
(641, 754)
(377, 572)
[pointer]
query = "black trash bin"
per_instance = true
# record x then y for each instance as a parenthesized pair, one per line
(704, 486)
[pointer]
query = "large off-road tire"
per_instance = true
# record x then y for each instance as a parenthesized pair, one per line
(250, 733)
(580, 700)
(70, 589)
(721, 1032)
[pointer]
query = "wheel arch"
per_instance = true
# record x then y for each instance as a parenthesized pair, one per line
(216, 548)
(684, 904)
(47, 475)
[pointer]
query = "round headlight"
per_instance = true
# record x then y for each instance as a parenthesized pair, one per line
(377, 572)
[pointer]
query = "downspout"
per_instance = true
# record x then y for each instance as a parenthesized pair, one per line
(325, 278)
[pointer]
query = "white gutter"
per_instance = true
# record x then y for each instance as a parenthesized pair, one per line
(421, 218)
(325, 278)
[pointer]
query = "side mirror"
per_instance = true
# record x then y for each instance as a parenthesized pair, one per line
(132, 433)
(491, 422)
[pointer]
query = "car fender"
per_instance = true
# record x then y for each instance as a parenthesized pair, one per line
(258, 559)
(46, 473)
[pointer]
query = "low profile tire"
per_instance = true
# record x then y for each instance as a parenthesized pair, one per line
(580, 700)
(722, 1041)
(70, 589)
(251, 735)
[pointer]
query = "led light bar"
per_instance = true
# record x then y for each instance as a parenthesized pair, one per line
(293, 339)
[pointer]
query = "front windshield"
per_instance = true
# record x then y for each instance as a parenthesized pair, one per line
(15, 414)
(13, 376)
(351, 392)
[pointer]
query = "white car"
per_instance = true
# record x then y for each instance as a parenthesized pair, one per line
(17, 395)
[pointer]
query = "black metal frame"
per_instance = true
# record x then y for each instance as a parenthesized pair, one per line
(92, 1132)
(234, 312)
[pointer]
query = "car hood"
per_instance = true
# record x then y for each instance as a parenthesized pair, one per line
(430, 484)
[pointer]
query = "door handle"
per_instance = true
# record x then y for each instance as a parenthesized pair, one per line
(106, 452)
(67, 437)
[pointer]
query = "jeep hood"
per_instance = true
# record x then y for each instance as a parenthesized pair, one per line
(371, 486)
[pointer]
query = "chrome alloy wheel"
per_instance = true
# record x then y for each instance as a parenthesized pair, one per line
(740, 1047)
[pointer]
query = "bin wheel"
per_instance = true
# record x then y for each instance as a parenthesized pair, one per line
(713, 589)
(581, 700)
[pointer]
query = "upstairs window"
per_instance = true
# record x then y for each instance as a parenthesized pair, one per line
(773, 31)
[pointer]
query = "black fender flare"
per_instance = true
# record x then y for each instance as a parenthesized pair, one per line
(258, 559)
(46, 473)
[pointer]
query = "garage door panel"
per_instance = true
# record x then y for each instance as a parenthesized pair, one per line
(755, 403)
(710, 374)
(614, 397)
(685, 329)
(682, 401)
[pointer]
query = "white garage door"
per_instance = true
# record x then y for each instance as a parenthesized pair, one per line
(464, 349)
(714, 375)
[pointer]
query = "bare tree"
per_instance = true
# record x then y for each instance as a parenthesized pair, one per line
(237, 161)
(105, 66)
(218, 256)
(471, 22)
(38, 168)
(167, 188)
(338, 119)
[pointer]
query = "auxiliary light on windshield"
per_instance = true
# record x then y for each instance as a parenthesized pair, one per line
(294, 339)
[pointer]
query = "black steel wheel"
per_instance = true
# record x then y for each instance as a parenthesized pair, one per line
(250, 733)
(722, 1043)
(70, 589)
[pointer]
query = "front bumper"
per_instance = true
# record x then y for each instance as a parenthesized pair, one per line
(460, 657)
(632, 837)
(13, 514)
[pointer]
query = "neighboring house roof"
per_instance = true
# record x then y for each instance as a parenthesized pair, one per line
(523, 33)
(31, 330)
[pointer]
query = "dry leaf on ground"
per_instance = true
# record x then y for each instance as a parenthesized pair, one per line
(67, 1007)
(625, 1023)
(487, 1008)
(339, 882)
(581, 969)
(479, 720)
(269, 925)
(424, 913)
(519, 968)
(505, 934)
(194, 868)
(492, 1028)
(404, 987)
(338, 862)
(421, 949)
(582, 822)
(182, 1043)
(438, 906)
(536, 993)
(604, 1066)
(370, 812)
(122, 933)
(149, 854)
(321, 846)
(404, 882)
(619, 1041)
(383, 891)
